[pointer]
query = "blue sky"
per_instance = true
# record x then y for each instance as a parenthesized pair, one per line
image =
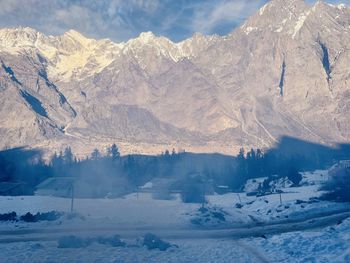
(121, 20)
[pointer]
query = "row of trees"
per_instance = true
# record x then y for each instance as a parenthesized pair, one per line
(66, 157)
(24, 166)
(135, 170)
(256, 163)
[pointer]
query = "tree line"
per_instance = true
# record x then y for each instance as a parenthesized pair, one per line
(109, 169)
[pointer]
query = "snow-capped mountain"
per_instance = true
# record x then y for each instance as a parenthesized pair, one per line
(285, 71)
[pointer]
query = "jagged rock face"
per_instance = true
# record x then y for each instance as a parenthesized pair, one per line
(32, 108)
(281, 68)
(285, 71)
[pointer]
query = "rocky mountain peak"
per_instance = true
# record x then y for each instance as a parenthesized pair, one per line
(16, 37)
(146, 37)
(277, 16)
(78, 38)
(283, 72)
(20, 32)
(277, 6)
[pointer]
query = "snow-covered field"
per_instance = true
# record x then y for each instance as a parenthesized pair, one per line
(131, 210)
(219, 231)
(203, 250)
(331, 244)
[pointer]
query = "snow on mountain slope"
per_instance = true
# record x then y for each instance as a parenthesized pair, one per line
(68, 55)
(285, 71)
(72, 55)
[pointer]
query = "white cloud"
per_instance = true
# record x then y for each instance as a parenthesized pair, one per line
(122, 19)
(207, 17)
(94, 18)
(115, 6)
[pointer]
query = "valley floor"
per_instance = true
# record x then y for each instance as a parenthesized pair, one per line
(260, 229)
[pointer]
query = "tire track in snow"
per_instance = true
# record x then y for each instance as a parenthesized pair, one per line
(236, 233)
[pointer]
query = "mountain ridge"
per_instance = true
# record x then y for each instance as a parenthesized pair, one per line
(206, 93)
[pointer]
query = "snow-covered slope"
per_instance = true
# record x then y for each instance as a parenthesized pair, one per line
(67, 56)
(285, 71)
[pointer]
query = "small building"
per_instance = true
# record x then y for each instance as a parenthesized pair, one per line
(82, 187)
(222, 189)
(159, 184)
(56, 186)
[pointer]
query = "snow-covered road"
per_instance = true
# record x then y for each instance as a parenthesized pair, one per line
(50, 234)
(261, 230)
(195, 245)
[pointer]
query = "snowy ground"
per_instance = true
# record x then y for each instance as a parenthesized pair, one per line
(212, 233)
(189, 251)
(331, 244)
(131, 210)
(143, 211)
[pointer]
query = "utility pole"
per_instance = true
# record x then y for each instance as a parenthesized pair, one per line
(204, 192)
(239, 198)
(72, 198)
(280, 198)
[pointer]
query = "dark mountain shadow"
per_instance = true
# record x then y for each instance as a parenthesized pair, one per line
(101, 174)
(23, 166)
(34, 103)
(9, 71)
(317, 155)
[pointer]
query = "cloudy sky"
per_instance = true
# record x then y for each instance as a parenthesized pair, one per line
(121, 20)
